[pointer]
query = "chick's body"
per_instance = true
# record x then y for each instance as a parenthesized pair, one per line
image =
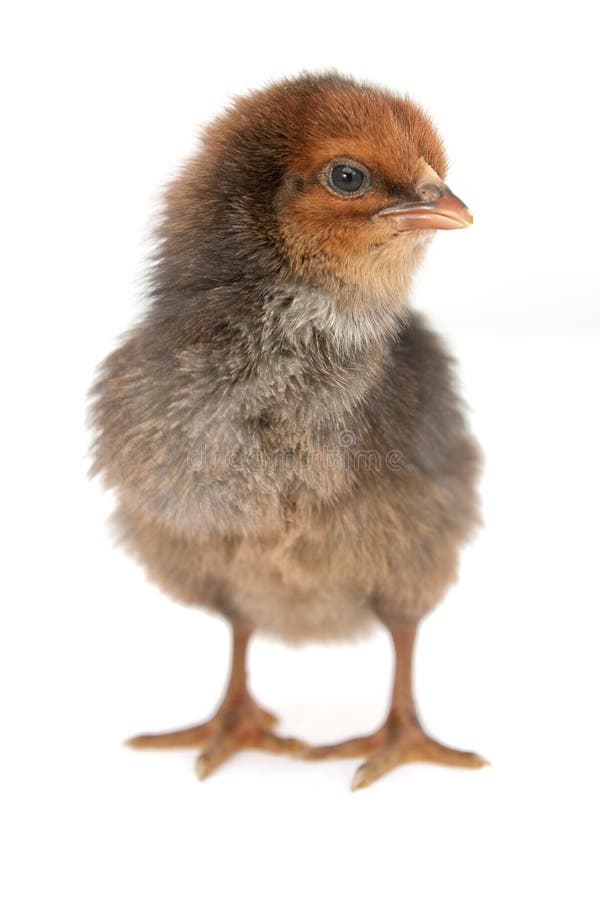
(263, 503)
(284, 436)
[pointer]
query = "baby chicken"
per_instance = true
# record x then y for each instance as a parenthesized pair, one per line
(282, 432)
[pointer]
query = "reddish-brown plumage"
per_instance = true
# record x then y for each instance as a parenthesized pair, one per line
(283, 433)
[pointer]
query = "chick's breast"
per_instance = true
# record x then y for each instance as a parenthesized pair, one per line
(305, 527)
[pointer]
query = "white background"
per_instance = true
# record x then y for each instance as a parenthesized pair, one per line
(101, 103)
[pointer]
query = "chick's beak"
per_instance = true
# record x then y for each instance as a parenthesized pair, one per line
(446, 212)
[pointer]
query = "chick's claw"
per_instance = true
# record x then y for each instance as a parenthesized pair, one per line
(359, 746)
(224, 745)
(391, 746)
(199, 735)
(243, 726)
(195, 736)
(240, 724)
(419, 748)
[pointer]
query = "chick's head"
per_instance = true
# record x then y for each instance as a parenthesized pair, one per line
(334, 184)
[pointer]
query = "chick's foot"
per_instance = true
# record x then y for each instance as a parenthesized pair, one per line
(401, 739)
(239, 723)
(396, 742)
(242, 728)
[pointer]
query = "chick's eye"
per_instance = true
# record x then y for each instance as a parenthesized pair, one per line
(347, 179)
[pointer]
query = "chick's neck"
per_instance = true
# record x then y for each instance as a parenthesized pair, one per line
(314, 360)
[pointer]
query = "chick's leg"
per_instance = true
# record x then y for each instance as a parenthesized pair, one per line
(401, 738)
(239, 723)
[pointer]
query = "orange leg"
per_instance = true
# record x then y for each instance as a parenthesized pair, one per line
(239, 723)
(401, 738)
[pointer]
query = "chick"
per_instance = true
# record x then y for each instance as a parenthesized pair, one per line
(282, 432)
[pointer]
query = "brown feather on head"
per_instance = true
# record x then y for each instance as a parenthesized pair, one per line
(321, 181)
